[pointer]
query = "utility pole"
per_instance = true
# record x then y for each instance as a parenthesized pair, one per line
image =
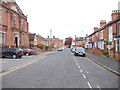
(119, 5)
(75, 41)
(51, 38)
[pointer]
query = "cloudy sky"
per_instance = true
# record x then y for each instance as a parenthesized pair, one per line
(66, 17)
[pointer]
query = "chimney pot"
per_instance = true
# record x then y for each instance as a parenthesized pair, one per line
(95, 29)
(115, 14)
(102, 23)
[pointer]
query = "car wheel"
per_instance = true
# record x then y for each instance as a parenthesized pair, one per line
(19, 56)
(84, 55)
(14, 56)
(27, 54)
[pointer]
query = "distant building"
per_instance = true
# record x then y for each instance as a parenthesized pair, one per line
(80, 41)
(68, 41)
(14, 25)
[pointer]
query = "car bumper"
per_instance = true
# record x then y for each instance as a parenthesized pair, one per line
(80, 54)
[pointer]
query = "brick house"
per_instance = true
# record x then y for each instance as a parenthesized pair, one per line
(37, 41)
(80, 41)
(14, 26)
(55, 42)
(97, 42)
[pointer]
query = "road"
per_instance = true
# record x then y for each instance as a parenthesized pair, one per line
(60, 70)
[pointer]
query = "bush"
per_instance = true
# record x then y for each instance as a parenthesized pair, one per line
(41, 47)
(47, 47)
(105, 53)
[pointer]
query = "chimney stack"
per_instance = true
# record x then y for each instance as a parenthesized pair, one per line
(48, 36)
(95, 29)
(102, 23)
(86, 35)
(115, 14)
(54, 37)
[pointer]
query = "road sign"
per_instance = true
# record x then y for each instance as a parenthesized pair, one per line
(109, 45)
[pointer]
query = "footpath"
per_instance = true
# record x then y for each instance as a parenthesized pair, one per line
(108, 63)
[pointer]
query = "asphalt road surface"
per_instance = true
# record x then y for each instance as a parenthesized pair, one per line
(60, 70)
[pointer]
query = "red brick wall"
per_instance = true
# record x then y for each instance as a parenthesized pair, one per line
(7, 20)
(117, 55)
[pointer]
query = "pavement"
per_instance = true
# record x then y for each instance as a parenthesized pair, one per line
(108, 63)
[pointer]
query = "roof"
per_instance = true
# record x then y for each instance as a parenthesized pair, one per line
(117, 36)
(104, 26)
(31, 37)
(79, 39)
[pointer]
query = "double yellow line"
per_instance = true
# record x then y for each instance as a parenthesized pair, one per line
(16, 68)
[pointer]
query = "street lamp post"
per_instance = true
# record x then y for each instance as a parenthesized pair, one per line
(75, 40)
(51, 39)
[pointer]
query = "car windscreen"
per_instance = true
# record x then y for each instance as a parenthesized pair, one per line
(80, 50)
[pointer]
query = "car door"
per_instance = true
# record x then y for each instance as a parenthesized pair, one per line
(5, 52)
(0, 53)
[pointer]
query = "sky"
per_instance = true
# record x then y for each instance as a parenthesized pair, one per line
(66, 18)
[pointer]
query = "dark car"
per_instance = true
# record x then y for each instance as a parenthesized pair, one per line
(79, 51)
(11, 52)
(28, 52)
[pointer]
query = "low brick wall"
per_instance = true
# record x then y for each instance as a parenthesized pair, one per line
(117, 55)
(95, 51)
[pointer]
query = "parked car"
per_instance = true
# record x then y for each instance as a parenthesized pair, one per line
(60, 49)
(11, 52)
(79, 51)
(73, 49)
(28, 52)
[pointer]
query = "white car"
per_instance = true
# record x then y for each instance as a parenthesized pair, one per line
(79, 51)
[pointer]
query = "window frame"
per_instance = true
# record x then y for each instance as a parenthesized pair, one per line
(118, 45)
(110, 33)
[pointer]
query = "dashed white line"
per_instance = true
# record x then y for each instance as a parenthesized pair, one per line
(84, 76)
(98, 87)
(81, 71)
(77, 63)
(78, 66)
(89, 85)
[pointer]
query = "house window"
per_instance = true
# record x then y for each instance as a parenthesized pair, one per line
(2, 38)
(101, 34)
(24, 40)
(110, 34)
(93, 38)
(101, 45)
(14, 21)
(22, 24)
(118, 45)
(119, 28)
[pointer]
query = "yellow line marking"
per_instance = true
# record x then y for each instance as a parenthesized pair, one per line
(14, 69)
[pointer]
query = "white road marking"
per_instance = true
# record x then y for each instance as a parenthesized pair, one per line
(87, 72)
(84, 76)
(81, 71)
(98, 87)
(78, 66)
(89, 85)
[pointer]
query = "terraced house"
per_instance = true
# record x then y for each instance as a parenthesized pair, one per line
(14, 25)
(106, 38)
